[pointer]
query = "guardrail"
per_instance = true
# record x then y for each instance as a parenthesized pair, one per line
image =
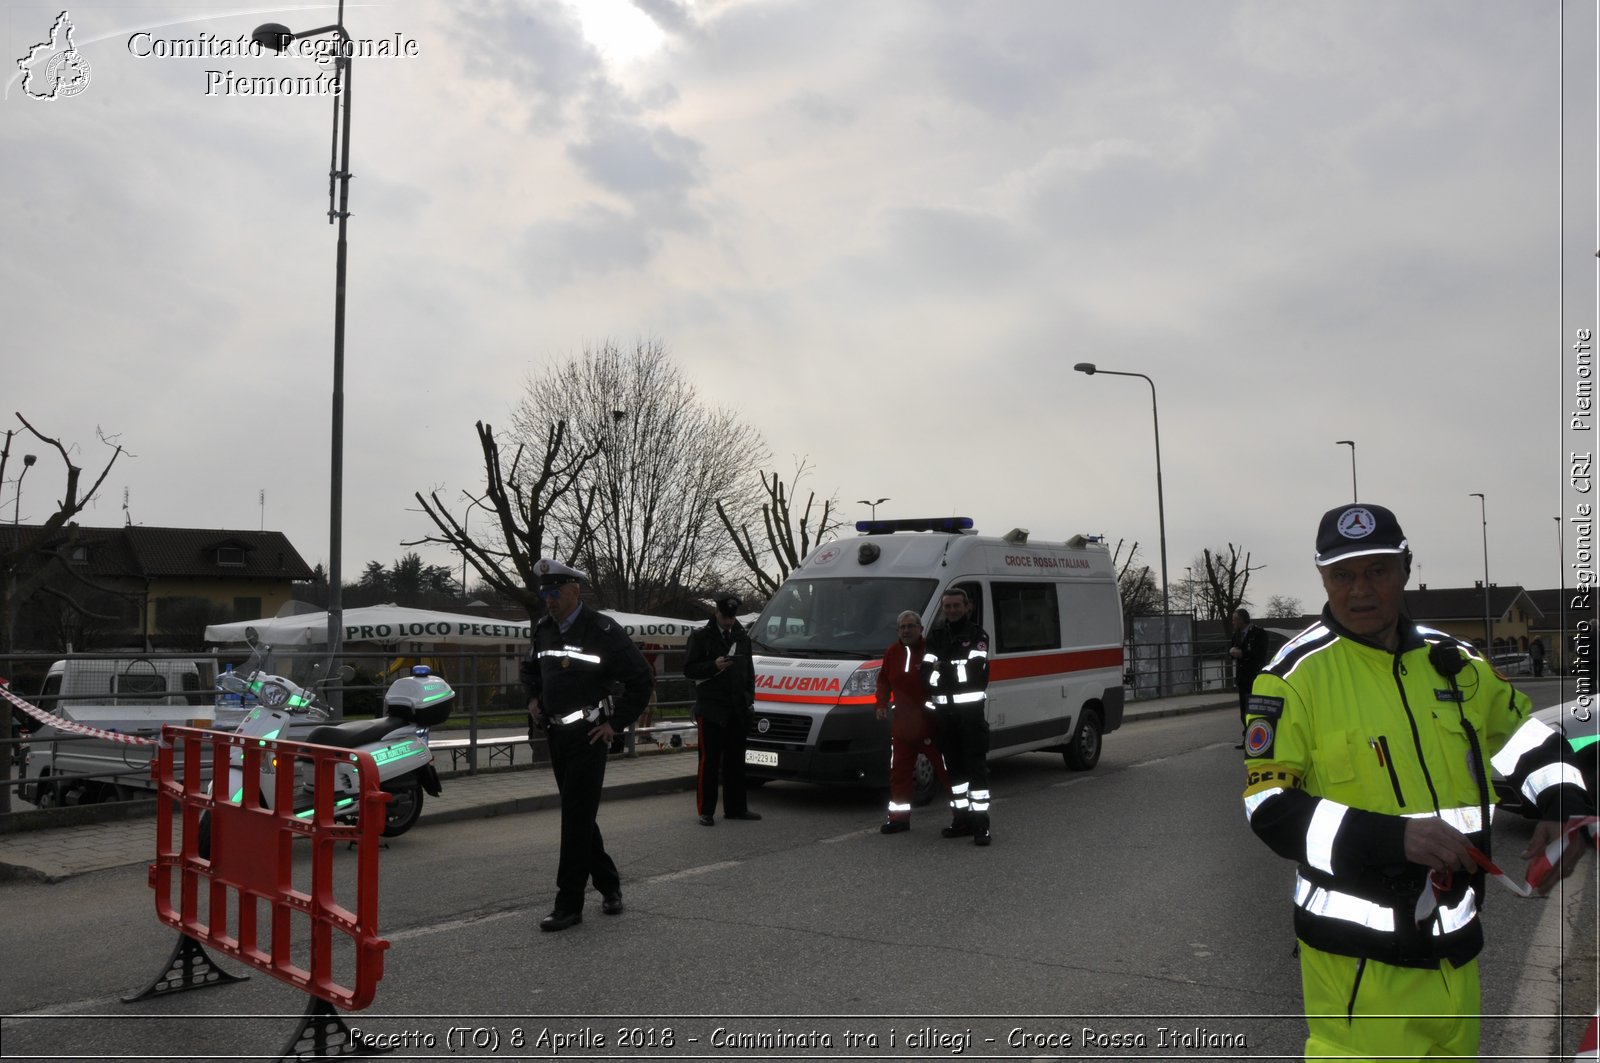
(488, 695)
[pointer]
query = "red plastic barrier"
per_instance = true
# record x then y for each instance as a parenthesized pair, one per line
(252, 853)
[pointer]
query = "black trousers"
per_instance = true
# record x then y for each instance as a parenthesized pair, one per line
(964, 741)
(1245, 682)
(579, 766)
(722, 748)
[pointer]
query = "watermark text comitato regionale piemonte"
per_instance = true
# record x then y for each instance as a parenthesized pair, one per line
(323, 51)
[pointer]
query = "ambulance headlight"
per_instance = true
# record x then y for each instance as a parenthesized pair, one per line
(863, 683)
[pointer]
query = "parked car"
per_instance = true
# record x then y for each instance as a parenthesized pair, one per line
(1512, 663)
(1579, 721)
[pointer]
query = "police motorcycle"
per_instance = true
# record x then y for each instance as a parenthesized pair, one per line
(398, 740)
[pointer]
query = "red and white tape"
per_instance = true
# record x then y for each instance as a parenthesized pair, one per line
(73, 726)
(1538, 868)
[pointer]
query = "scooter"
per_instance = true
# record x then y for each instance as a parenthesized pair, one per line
(398, 740)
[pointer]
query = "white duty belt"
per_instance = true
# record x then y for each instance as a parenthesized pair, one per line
(592, 714)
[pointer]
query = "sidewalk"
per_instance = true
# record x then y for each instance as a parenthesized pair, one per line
(57, 853)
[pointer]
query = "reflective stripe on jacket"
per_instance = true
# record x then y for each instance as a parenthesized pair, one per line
(1344, 740)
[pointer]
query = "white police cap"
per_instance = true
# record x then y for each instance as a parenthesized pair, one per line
(553, 573)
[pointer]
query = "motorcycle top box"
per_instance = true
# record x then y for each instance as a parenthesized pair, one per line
(421, 698)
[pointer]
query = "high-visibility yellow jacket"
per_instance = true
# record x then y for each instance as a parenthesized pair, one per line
(1344, 740)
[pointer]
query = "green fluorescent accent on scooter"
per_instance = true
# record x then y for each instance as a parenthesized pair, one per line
(343, 802)
(404, 749)
(238, 795)
(1583, 743)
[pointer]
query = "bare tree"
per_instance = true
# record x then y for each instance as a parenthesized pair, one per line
(642, 517)
(27, 559)
(1222, 579)
(1136, 586)
(32, 553)
(787, 540)
(1284, 607)
(521, 497)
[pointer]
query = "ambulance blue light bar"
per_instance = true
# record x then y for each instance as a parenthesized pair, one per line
(948, 525)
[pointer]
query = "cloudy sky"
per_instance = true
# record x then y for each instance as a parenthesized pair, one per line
(884, 232)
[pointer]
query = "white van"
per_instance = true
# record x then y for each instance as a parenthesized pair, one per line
(132, 696)
(1055, 631)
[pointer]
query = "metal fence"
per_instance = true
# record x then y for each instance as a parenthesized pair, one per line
(489, 698)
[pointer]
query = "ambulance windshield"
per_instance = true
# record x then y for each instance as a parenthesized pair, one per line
(837, 617)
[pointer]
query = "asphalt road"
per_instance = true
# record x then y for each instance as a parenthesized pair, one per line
(1123, 902)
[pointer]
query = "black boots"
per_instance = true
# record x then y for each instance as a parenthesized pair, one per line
(960, 826)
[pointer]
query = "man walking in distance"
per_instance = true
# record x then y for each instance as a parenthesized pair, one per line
(578, 656)
(1367, 756)
(955, 666)
(719, 661)
(912, 726)
(1249, 652)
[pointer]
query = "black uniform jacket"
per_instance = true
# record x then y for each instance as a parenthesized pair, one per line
(1252, 643)
(728, 696)
(956, 664)
(580, 667)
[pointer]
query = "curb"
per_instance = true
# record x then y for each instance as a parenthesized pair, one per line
(539, 802)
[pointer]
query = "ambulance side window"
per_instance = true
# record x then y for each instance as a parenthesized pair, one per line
(1027, 617)
(974, 600)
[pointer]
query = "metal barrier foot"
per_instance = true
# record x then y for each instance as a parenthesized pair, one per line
(323, 1034)
(189, 967)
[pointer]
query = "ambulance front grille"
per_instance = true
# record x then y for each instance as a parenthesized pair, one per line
(782, 727)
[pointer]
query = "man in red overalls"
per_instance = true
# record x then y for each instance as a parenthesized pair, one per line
(912, 727)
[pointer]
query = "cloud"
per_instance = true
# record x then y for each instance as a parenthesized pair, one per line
(651, 164)
(594, 241)
(537, 48)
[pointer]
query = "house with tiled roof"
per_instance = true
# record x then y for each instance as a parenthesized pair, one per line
(137, 585)
(1460, 611)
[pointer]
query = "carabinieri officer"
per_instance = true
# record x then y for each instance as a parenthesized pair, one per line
(579, 656)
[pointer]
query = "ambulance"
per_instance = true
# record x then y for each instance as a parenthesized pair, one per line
(1051, 610)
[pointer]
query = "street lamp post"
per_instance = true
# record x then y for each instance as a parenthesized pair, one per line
(276, 37)
(1561, 601)
(16, 509)
(466, 518)
(1488, 630)
(873, 506)
(1089, 369)
(1352, 445)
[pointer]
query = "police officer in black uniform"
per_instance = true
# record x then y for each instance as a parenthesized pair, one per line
(956, 669)
(578, 657)
(719, 661)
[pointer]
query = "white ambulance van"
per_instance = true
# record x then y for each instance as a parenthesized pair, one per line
(1055, 642)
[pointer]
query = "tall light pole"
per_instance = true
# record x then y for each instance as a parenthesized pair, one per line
(873, 506)
(1488, 630)
(16, 510)
(276, 37)
(1090, 369)
(1354, 497)
(1561, 603)
(466, 518)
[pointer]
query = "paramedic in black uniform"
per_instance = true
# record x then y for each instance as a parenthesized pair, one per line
(955, 667)
(578, 657)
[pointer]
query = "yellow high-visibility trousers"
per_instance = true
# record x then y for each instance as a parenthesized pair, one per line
(1359, 1009)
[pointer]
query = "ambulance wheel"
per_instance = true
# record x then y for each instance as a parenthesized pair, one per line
(1083, 752)
(404, 808)
(922, 791)
(755, 784)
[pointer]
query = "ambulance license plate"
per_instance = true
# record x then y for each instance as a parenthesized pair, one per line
(761, 756)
